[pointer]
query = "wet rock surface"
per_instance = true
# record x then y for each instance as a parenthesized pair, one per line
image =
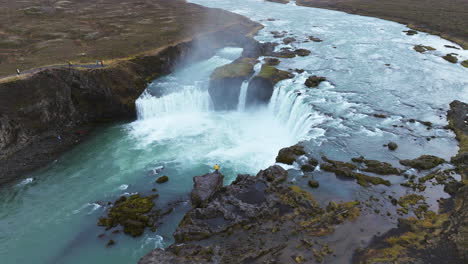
(275, 221)
(261, 86)
(314, 81)
(134, 214)
(204, 187)
(348, 170)
(424, 162)
(290, 154)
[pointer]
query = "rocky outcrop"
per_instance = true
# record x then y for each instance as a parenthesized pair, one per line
(204, 187)
(450, 58)
(422, 48)
(134, 214)
(43, 115)
(261, 86)
(226, 81)
(347, 170)
(290, 154)
(314, 81)
(424, 162)
(255, 220)
(458, 122)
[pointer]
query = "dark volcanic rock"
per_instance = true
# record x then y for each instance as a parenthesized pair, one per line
(346, 169)
(162, 179)
(314, 39)
(424, 162)
(302, 52)
(377, 167)
(277, 34)
(458, 122)
(134, 213)
(314, 81)
(226, 81)
(410, 32)
(289, 155)
(422, 49)
(392, 145)
(272, 61)
(450, 58)
(288, 40)
(253, 220)
(313, 183)
(204, 187)
(261, 86)
(256, 49)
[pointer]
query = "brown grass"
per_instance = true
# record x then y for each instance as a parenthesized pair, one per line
(446, 18)
(35, 33)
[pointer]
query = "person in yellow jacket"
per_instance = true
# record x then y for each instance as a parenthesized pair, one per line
(216, 167)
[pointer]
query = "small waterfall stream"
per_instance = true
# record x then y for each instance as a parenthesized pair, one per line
(245, 87)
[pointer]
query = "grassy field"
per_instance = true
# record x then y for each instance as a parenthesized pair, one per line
(447, 18)
(36, 33)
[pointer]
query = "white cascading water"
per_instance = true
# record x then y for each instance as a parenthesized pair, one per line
(286, 105)
(245, 87)
(190, 99)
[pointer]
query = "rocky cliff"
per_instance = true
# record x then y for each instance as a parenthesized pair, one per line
(46, 113)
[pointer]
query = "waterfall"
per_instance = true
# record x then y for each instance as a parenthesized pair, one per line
(190, 99)
(291, 108)
(244, 87)
(187, 92)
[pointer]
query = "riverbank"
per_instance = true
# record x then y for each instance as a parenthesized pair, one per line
(46, 113)
(444, 18)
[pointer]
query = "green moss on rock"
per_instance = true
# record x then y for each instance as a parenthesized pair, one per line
(450, 58)
(162, 179)
(239, 68)
(273, 74)
(133, 213)
(422, 48)
(465, 63)
(424, 162)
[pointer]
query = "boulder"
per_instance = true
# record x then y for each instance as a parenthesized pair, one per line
(288, 40)
(226, 81)
(313, 184)
(272, 61)
(315, 39)
(288, 155)
(422, 49)
(410, 32)
(261, 86)
(450, 58)
(392, 145)
(302, 52)
(134, 213)
(314, 81)
(204, 187)
(162, 179)
(465, 63)
(277, 34)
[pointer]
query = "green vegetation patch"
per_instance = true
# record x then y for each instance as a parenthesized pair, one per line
(239, 68)
(133, 213)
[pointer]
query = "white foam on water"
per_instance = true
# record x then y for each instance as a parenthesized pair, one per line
(25, 182)
(123, 187)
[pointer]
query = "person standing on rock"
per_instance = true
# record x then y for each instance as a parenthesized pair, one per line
(216, 167)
